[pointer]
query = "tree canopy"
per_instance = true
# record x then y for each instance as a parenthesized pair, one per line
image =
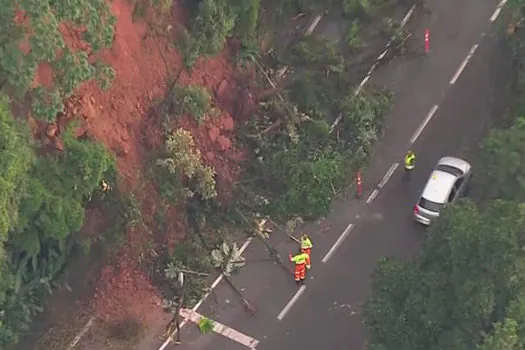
(503, 162)
(469, 271)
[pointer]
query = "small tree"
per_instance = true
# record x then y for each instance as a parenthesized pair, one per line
(228, 258)
(183, 159)
(193, 100)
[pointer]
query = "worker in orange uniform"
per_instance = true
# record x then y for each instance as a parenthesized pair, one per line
(306, 244)
(302, 262)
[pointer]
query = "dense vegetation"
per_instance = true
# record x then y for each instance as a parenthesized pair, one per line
(42, 206)
(466, 290)
(43, 194)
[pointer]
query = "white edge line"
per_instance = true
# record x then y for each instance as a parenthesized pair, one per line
(81, 334)
(424, 123)
(291, 303)
(408, 15)
(372, 196)
(314, 24)
(388, 175)
(358, 90)
(497, 10)
(212, 287)
(338, 242)
(464, 64)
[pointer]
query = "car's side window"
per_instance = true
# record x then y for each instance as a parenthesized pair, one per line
(458, 183)
(452, 194)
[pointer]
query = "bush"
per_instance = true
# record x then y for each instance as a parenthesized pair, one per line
(183, 161)
(193, 100)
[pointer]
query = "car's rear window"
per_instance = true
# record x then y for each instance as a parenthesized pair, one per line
(429, 205)
(449, 169)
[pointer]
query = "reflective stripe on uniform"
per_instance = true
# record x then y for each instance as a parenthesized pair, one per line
(300, 258)
(306, 243)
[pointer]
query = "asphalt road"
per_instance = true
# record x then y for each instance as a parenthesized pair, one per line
(327, 313)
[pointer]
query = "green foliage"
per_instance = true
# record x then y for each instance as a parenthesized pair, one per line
(206, 325)
(353, 38)
(50, 209)
(189, 255)
(362, 116)
(227, 258)
(470, 269)
(360, 8)
(503, 337)
(38, 24)
(316, 54)
(215, 20)
(16, 159)
(503, 162)
(300, 166)
(301, 175)
(193, 100)
(183, 161)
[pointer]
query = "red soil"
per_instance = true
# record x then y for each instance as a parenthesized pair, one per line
(122, 119)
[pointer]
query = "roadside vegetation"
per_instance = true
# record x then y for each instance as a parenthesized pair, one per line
(466, 290)
(293, 162)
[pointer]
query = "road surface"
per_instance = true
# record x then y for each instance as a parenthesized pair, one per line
(445, 102)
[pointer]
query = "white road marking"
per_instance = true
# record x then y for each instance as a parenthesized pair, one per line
(497, 11)
(221, 329)
(424, 123)
(372, 196)
(408, 15)
(291, 303)
(464, 64)
(388, 175)
(196, 307)
(83, 332)
(383, 54)
(382, 183)
(371, 70)
(360, 87)
(338, 242)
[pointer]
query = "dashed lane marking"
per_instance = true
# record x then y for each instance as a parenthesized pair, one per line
(372, 196)
(424, 123)
(464, 64)
(337, 243)
(291, 303)
(497, 11)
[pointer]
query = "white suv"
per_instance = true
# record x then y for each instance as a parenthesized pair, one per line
(447, 182)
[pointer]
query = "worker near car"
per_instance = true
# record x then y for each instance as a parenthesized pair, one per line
(306, 244)
(302, 262)
(410, 161)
